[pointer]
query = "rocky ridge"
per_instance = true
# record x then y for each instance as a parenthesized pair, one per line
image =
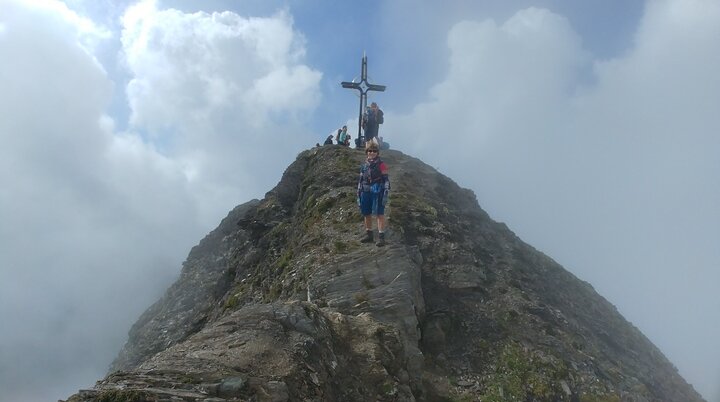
(283, 303)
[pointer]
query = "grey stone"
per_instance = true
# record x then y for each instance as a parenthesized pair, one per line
(277, 391)
(231, 387)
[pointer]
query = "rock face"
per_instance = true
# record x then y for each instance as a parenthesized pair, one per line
(283, 303)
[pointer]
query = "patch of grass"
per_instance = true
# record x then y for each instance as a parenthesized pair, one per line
(310, 202)
(366, 282)
(388, 388)
(284, 260)
(361, 297)
(341, 246)
(274, 292)
(355, 215)
(278, 231)
(325, 205)
(411, 213)
(464, 397)
(188, 379)
(232, 302)
(239, 291)
(125, 395)
(310, 219)
(521, 376)
(307, 183)
(599, 398)
(346, 163)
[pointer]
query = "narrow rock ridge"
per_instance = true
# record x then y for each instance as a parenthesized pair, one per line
(283, 303)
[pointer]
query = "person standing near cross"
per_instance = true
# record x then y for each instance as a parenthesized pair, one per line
(363, 87)
(372, 119)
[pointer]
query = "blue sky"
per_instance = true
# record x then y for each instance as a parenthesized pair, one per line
(131, 128)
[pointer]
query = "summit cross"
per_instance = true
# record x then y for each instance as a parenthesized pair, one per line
(363, 86)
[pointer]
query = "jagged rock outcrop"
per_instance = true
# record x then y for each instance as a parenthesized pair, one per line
(283, 303)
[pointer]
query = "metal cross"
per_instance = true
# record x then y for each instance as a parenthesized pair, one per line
(363, 86)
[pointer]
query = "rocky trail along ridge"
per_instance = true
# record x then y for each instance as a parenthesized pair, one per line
(283, 303)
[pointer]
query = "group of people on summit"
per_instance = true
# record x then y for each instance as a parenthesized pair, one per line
(341, 137)
(371, 120)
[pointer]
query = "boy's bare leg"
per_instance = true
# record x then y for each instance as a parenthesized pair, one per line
(368, 222)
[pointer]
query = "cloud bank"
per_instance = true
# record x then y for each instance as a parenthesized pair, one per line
(96, 221)
(213, 90)
(605, 165)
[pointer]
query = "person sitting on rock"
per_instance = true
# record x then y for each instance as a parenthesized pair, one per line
(373, 192)
(342, 135)
(328, 140)
(384, 145)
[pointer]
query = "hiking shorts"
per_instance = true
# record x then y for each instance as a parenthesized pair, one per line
(371, 203)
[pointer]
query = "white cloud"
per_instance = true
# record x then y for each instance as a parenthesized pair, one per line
(285, 90)
(656, 109)
(96, 222)
(190, 67)
(503, 81)
(571, 150)
(67, 231)
(220, 93)
(84, 31)
(81, 205)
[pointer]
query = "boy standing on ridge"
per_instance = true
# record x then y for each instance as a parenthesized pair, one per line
(373, 192)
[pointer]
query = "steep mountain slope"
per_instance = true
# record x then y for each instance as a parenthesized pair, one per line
(283, 303)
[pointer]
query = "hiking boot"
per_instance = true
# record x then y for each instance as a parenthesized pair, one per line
(368, 238)
(381, 239)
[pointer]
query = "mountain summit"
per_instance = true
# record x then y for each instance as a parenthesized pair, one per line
(283, 303)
